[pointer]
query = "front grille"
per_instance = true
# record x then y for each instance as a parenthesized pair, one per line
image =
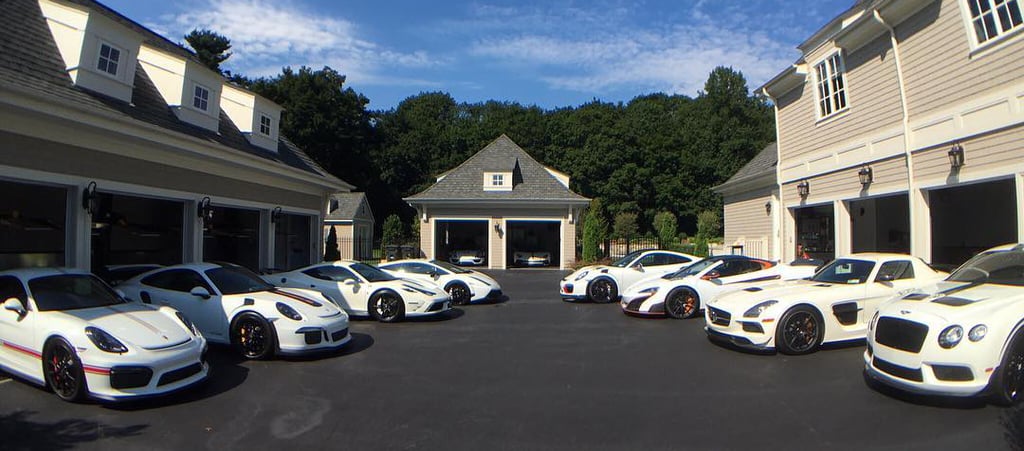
(900, 334)
(130, 377)
(952, 373)
(436, 307)
(752, 327)
(339, 335)
(634, 305)
(314, 336)
(719, 317)
(901, 372)
(171, 377)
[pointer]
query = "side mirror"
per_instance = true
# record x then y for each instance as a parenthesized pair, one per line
(639, 267)
(435, 275)
(120, 293)
(884, 278)
(349, 281)
(711, 275)
(200, 292)
(15, 305)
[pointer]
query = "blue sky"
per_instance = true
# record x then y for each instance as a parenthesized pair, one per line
(549, 53)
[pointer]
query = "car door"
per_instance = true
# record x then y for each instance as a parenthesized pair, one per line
(342, 285)
(893, 277)
(173, 288)
(17, 332)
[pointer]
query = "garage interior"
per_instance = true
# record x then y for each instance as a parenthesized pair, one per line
(881, 224)
(968, 219)
(815, 231)
(233, 235)
(460, 235)
(33, 221)
(136, 230)
(291, 242)
(533, 236)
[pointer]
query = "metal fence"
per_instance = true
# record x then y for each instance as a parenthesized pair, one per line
(374, 251)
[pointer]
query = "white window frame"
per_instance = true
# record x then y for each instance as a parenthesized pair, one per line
(118, 63)
(831, 93)
(997, 24)
(195, 96)
(497, 179)
(270, 124)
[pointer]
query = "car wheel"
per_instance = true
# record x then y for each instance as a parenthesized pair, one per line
(682, 303)
(799, 332)
(602, 291)
(1007, 386)
(63, 371)
(387, 307)
(459, 293)
(253, 336)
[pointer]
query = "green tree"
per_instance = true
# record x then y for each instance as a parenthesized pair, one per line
(211, 48)
(393, 231)
(595, 231)
(625, 225)
(666, 226)
(331, 252)
(709, 225)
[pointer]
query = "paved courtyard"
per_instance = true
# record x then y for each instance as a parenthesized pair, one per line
(530, 373)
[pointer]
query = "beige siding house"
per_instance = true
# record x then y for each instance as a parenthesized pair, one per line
(351, 218)
(750, 197)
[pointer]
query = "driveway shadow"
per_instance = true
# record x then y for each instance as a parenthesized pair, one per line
(226, 373)
(359, 343)
(21, 432)
(948, 402)
(454, 313)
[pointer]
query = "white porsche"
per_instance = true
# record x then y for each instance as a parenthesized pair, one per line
(683, 293)
(601, 283)
(531, 259)
(362, 290)
(962, 337)
(463, 285)
(232, 305)
(834, 305)
(467, 257)
(67, 330)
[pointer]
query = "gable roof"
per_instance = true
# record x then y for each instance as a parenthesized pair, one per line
(762, 165)
(465, 182)
(348, 207)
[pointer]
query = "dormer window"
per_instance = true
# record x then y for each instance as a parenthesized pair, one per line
(265, 125)
(201, 98)
(109, 58)
(497, 179)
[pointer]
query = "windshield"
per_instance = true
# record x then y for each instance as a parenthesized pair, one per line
(237, 280)
(370, 273)
(998, 267)
(622, 262)
(71, 292)
(845, 271)
(450, 267)
(694, 268)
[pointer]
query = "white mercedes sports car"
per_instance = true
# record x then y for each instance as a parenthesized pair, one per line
(962, 337)
(601, 283)
(362, 290)
(463, 285)
(232, 305)
(685, 292)
(467, 258)
(834, 305)
(67, 330)
(531, 259)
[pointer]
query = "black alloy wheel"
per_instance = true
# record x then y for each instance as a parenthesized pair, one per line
(253, 336)
(459, 293)
(602, 291)
(387, 307)
(682, 303)
(1008, 385)
(799, 332)
(63, 371)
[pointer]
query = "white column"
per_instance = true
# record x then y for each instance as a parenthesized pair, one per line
(1020, 207)
(192, 234)
(78, 238)
(920, 225)
(788, 234)
(267, 239)
(843, 236)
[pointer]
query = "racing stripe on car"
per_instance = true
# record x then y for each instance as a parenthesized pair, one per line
(134, 318)
(96, 370)
(296, 297)
(21, 349)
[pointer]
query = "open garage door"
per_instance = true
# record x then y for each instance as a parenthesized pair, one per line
(233, 236)
(463, 242)
(32, 225)
(881, 224)
(971, 218)
(130, 234)
(534, 244)
(815, 232)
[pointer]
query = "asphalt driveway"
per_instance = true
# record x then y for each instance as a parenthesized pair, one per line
(529, 373)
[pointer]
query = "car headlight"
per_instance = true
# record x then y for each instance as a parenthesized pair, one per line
(758, 309)
(104, 341)
(289, 312)
(951, 336)
(581, 275)
(650, 290)
(977, 332)
(188, 324)
(412, 289)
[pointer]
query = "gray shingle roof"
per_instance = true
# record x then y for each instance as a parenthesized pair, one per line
(465, 182)
(348, 206)
(762, 163)
(29, 60)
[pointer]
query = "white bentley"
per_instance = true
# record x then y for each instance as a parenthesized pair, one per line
(601, 283)
(463, 285)
(67, 330)
(683, 293)
(232, 305)
(362, 290)
(834, 305)
(960, 337)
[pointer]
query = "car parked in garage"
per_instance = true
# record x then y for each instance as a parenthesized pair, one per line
(463, 285)
(834, 305)
(67, 330)
(963, 336)
(232, 305)
(362, 290)
(601, 283)
(682, 294)
(467, 257)
(531, 258)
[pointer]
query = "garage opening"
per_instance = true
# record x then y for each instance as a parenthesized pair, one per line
(133, 231)
(32, 225)
(815, 232)
(292, 242)
(461, 242)
(969, 219)
(881, 224)
(533, 244)
(233, 236)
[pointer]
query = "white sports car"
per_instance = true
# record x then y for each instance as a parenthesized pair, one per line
(67, 330)
(463, 285)
(532, 259)
(362, 290)
(232, 305)
(683, 293)
(467, 258)
(959, 337)
(601, 283)
(834, 305)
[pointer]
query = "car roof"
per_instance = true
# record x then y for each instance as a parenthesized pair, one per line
(879, 256)
(32, 273)
(407, 260)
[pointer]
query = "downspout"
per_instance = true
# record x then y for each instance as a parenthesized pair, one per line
(777, 223)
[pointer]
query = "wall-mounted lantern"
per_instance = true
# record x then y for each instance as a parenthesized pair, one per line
(205, 210)
(956, 156)
(768, 208)
(276, 216)
(90, 200)
(803, 188)
(497, 228)
(866, 176)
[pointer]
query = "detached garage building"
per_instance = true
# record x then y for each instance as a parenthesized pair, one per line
(497, 203)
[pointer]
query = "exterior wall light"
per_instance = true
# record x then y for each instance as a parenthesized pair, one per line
(204, 210)
(956, 156)
(276, 216)
(803, 188)
(866, 176)
(90, 200)
(768, 208)
(497, 228)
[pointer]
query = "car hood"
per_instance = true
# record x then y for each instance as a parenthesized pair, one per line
(135, 324)
(950, 300)
(308, 303)
(787, 291)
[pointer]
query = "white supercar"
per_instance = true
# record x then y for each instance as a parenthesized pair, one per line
(362, 290)
(834, 305)
(67, 330)
(463, 285)
(601, 283)
(232, 305)
(960, 337)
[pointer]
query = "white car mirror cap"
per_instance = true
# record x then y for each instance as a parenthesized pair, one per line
(200, 292)
(14, 305)
(885, 278)
(349, 281)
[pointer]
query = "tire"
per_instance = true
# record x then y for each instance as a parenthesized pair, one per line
(800, 331)
(682, 303)
(1007, 385)
(459, 293)
(253, 336)
(63, 372)
(386, 307)
(602, 291)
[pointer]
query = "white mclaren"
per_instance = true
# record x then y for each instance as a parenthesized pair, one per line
(232, 305)
(834, 305)
(601, 283)
(68, 331)
(682, 294)
(363, 290)
(463, 285)
(961, 337)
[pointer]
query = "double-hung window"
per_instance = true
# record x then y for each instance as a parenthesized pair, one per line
(497, 179)
(264, 125)
(994, 18)
(201, 98)
(831, 85)
(110, 56)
